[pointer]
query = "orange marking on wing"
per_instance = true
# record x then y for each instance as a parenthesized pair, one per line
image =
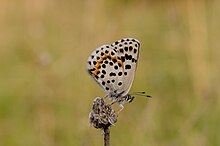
(96, 69)
(94, 73)
(120, 62)
(97, 66)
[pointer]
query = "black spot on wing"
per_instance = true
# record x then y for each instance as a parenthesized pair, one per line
(119, 83)
(122, 58)
(104, 72)
(114, 60)
(115, 67)
(126, 49)
(135, 51)
(111, 63)
(134, 60)
(93, 69)
(103, 66)
(112, 53)
(127, 66)
(112, 74)
(128, 57)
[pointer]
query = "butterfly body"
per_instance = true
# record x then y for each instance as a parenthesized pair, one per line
(113, 68)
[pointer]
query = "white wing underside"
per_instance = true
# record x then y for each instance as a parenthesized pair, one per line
(113, 66)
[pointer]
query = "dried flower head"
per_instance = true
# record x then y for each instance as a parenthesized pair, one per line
(102, 115)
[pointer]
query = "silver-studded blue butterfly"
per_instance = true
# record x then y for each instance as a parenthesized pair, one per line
(113, 68)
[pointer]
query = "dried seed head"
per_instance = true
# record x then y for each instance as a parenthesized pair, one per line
(102, 115)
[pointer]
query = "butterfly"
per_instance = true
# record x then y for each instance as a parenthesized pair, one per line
(113, 67)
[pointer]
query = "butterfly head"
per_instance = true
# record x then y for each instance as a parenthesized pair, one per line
(129, 98)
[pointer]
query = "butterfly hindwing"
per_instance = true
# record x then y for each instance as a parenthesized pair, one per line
(128, 52)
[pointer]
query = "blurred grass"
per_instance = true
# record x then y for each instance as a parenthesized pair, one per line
(46, 93)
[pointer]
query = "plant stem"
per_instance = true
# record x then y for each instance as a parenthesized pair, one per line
(106, 136)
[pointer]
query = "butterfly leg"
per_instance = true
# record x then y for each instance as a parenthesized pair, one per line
(112, 102)
(105, 97)
(121, 107)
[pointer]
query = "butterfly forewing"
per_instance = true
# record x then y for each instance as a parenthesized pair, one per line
(96, 67)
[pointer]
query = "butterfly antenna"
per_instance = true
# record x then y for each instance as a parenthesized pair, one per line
(141, 94)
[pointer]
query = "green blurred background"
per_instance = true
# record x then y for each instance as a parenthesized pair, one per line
(46, 93)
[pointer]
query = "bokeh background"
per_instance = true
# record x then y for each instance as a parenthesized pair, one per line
(46, 93)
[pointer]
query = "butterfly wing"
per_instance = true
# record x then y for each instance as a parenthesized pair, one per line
(104, 66)
(128, 53)
(113, 66)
